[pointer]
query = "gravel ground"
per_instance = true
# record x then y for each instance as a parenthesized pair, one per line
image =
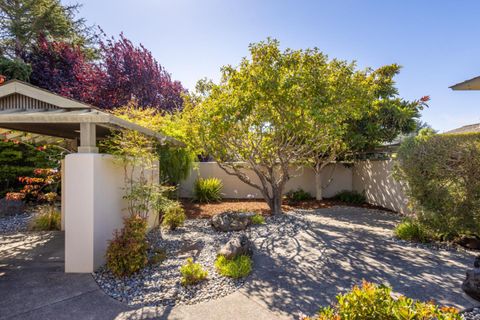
(160, 284)
(473, 314)
(16, 223)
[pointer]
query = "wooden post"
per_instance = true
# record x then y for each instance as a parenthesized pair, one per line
(88, 138)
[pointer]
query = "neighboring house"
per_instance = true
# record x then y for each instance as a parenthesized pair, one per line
(472, 84)
(466, 129)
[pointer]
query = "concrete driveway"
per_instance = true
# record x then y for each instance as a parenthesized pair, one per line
(296, 272)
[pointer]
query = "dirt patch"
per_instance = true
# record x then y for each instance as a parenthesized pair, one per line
(206, 210)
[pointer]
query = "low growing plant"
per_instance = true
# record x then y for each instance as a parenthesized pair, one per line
(208, 190)
(127, 251)
(48, 219)
(192, 273)
(350, 197)
(372, 302)
(257, 219)
(412, 230)
(238, 267)
(298, 195)
(174, 217)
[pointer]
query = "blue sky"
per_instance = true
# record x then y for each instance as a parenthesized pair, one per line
(436, 42)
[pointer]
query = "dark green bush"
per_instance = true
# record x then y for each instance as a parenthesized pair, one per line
(48, 219)
(298, 195)
(371, 302)
(208, 190)
(350, 197)
(412, 230)
(192, 273)
(127, 251)
(238, 267)
(443, 177)
(174, 217)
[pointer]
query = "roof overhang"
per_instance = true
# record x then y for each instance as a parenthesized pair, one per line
(24, 107)
(471, 84)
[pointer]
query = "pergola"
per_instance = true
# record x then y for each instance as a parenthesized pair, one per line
(27, 108)
(93, 184)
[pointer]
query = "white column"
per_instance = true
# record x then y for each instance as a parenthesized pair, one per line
(94, 208)
(88, 138)
(79, 212)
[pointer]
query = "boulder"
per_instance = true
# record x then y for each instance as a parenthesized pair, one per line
(471, 285)
(231, 221)
(469, 242)
(236, 246)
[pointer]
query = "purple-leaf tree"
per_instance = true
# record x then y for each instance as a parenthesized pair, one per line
(132, 73)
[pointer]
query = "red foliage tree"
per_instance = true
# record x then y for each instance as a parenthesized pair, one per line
(132, 73)
(123, 73)
(63, 68)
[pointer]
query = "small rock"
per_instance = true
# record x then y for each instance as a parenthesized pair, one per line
(238, 245)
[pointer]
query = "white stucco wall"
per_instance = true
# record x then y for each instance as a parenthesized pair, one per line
(304, 178)
(375, 178)
(94, 208)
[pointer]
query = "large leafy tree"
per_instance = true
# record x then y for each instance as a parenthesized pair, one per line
(23, 21)
(133, 73)
(278, 111)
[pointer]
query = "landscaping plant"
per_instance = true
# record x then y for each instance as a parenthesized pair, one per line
(208, 190)
(238, 267)
(127, 251)
(48, 219)
(442, 172)
(372, 302)
(174, 217)
(350, 197)
(257, 219)
(192, 273)
(294, 196)
(412, 230)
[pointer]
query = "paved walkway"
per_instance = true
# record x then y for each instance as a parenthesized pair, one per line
(334, 249)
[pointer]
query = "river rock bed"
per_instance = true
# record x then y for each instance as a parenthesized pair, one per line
(159, 284)
(15, 223)
(472, 314)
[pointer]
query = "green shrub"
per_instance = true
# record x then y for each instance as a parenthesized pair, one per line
(174, 217)
(48, 219)
(257, 219)
(350, 197)
(127, 251)
(208, 190)
(239, 267)
(443, 177)
(192, 273)
(412, 230)
(371, 302)
(298, 195)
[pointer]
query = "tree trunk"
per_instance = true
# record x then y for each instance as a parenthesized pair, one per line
(318, 184)
(275, 203)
